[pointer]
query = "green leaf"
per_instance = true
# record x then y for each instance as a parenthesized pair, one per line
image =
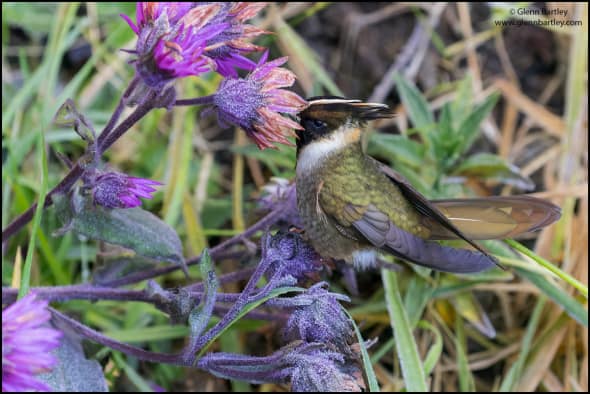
(73, 372)
(399, 147)
(133, 228)
(407, 350)
(415, 104)
(469, 129)
(417, 296)
(200, 315)
(25, 279)
(493, 167)
(68, 116)
(461, 107)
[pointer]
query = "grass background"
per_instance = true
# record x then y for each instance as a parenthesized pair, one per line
(539, 123)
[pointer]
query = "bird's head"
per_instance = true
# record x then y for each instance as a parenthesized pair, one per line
(335, 122)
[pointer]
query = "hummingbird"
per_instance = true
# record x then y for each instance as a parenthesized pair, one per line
(353, 207)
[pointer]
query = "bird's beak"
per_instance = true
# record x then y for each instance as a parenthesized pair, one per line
(336, 107)
(371, 111)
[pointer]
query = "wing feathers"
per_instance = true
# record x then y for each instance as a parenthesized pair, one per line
(493, 217)
(387, 236)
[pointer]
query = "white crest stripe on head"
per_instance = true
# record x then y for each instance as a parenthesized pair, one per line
(334, 101)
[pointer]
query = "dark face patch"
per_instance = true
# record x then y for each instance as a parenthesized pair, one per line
(315, 128)
(319, 120)
(325, 115)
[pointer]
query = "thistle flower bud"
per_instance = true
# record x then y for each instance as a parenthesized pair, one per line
(115, 190)
(255, 103)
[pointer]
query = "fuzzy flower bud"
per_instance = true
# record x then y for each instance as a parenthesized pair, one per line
(319, 317)
(309, 367)
(255, 103)
(115, 190)
(292, 256)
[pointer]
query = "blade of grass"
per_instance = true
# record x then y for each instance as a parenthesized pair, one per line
(180, 154)
(516, 369)
(436, 349)
(418, 294)
(571, 306)
(407, 350)
(66, 18)
(466, 382)
(541, 261)
(387, 346)
(303, 56)
(238, 184)
(26, 274)
(143, 334)
(140, 383)
(194, 230)
(371, 378)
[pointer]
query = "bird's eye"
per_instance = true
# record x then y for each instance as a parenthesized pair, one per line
(316, 126)
(319, 124)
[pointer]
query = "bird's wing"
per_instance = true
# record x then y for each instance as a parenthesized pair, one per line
(427, 210)
(477, 218)
(365, 222)
(493, 217)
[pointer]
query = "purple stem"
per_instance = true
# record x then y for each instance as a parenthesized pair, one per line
(118, 110)
(191, 353)
(109, 139)
(93, 293)
(205, 100)
(97, 337)
(25, 217)
(77, 171)
(215, 252)
(227, 278)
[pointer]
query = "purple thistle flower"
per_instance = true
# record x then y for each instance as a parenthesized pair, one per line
(312, 367)
(172, 39)
(115, 190)
(254, 103)
(227, 48)
(319, 317)
(27, 345)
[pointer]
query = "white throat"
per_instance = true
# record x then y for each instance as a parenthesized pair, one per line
(312, 156)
